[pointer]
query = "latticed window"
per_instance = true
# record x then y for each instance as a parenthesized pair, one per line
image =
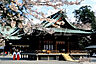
(48, 45)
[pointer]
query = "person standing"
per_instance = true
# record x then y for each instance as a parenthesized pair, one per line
(14, 55)
(18, 55)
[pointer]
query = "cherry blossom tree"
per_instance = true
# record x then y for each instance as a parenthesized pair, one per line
(15, 13)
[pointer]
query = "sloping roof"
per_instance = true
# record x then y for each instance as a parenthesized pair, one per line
(58, 17)
(70, 31)
(91, 47)
(9, 34)
(67, 27)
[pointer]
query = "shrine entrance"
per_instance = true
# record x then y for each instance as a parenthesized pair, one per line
(60, 45)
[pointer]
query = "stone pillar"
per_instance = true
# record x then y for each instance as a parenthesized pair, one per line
(37, 58)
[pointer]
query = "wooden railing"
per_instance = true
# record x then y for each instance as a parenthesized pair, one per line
(47, 51)
(78, 51)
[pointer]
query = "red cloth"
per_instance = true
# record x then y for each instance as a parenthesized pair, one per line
(5, 52)
(18, 57)
(14, 56)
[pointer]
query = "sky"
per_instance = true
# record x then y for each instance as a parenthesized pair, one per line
(48, 10)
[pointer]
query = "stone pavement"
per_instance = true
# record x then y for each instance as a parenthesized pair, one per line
(42, 62)
(37, 62)
(8, 60)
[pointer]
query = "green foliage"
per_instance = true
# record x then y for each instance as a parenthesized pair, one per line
(84, 14)
(84, 42)
(93, 24)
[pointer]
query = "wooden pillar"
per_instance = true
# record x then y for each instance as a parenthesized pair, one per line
(39, 45)
(68, 48)
(21, 55)
(56, 46)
